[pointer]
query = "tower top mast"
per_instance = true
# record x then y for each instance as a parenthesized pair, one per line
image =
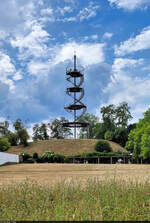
(75, 60)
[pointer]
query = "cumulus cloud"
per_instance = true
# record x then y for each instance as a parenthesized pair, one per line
(14, 13)
(84, 14)
(7, 70)
(107, 35)
(127, 84)
(140, 42)
(35, 98)
(47, 11)
(32, 43)
(96, 55)
(88, 12)
(17, 76)
(64, 10)
(94, 37)
(36, 67)
(130, 4)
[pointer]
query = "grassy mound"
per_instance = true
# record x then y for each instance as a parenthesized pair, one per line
(66, 147)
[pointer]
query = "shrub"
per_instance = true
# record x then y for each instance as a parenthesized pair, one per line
(4, 144)
(30, 160)
(48, 157)
(102, 146)
(25, 156)
(58, 158)
(35, 156)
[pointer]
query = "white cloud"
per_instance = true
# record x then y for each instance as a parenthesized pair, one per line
(127, 84)
(67, 19)
(124, 63)
(130, 4)
(33, 43)
(47, 11)
(17, 76)
(94, 37)
(14, 13)
(107, 35)
(140, 42)
(7, 70)
(88, 12)
(3, 35)
(38, 67)
(66, 9)
(87, 53)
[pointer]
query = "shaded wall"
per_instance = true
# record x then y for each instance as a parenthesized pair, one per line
(6, 157)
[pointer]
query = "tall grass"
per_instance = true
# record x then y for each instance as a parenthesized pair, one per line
(95, 200)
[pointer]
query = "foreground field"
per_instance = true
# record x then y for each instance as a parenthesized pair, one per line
(52, 173)
(107, 200)
(66, 192)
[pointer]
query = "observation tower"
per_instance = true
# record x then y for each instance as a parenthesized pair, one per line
(77, 108)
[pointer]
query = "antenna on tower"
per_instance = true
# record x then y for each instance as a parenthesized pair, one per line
(77, 93)
(75, 60)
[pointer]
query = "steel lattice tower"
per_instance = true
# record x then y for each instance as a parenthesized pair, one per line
(76, 78)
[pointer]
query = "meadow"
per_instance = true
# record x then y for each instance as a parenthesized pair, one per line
(75, 192)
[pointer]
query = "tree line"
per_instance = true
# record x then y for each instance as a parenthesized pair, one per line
(113, 126)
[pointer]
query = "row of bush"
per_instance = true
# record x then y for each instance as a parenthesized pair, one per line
(102, 148)
(47, 157)
(99, 154)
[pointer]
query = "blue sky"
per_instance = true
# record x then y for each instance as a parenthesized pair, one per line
(37, 42)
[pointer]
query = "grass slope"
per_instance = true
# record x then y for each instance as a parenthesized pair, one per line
(66, 147)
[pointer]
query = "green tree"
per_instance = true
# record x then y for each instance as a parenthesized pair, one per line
(12, 138)
(138, 138)
(115, 119)
(57, 129)
(4, 128)
(23, 137)
(108, 116)
(18, 125)
(145, 143)
(43, 130)
(100, 130)
(40, 132)
(113, 116)
(120, 136)
(122, 114)
(4, 144)
(91, 131)
(130, 143)
(21, 132)
(108, 135)
(36, 133)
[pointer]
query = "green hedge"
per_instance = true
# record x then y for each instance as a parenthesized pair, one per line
(98, 154)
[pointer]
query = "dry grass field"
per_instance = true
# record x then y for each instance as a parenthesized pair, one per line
(75, 192)
(52, 173)
(67, 147)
